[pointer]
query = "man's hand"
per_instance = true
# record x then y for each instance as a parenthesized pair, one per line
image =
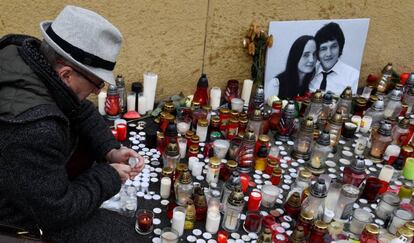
(122, 155)
(123, 170)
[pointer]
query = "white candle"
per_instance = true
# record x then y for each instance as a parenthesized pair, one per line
(178, 222)
(197, 168)
(165, 187)
(131, 102)
(169, 237)
(142, 104)
(247, 89)
(213, 222)
(215, 96)
(150, 86)
(101, 102)
(182, 146)
(191, 161)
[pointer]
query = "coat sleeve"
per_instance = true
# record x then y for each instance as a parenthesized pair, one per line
(94, 130)
(34, 179)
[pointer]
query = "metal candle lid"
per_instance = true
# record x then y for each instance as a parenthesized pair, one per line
(290, 110)
(385, 128)
(172, 149)
(358, 164)
(378, 104)
(203, 81)
(396, 94)
(171, 130)
(298, 234)
(327, 98)
(257, 114)
(236, 197)
(319, 188)
(347, 93)
(234, 180)
(337, 118)
(317, 96)
(185, 177)
(249, 136)
(324, 138)
(405, 122)
(350, 191)
(294, 200)
(112, 90)
(372, 229)
(308, 124)
(410, 80)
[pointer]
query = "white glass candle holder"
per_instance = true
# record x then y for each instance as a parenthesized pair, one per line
(150, 86)
(101, 102)
(220, 148)
(215, 97)
(182, 146)
(269, 195)
(237, 104)
(246, 91)
(360, 218)
(178, 219)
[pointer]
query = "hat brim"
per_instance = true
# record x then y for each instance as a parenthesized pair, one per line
(103, 74)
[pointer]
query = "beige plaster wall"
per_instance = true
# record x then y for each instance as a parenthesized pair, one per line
(167, 37)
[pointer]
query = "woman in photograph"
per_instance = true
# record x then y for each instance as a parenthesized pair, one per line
(300, 68)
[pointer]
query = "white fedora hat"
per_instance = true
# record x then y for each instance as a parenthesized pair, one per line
(86, 39)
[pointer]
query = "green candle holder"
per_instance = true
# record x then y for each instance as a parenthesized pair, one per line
(408, 170)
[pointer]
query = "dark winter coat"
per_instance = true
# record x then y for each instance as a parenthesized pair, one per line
(41, 123)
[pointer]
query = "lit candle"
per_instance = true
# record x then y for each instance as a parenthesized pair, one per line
(303, 147)
(131, 102)
(213, 221)
(165, 187)
(247, 89)
(101, 102)
(254, 201)
(222, 236)
(150, 86)
(178, 220)
(215, 96)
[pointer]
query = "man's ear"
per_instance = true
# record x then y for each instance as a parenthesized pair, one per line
(65, 73)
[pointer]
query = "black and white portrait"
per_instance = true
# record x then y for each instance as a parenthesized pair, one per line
(314, 54)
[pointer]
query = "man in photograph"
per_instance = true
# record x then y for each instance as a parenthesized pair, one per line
(331, 73)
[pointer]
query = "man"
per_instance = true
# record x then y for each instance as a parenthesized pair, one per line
(45, 120)
(331, 73)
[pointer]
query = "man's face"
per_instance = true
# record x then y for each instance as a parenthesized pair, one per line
(328, 54)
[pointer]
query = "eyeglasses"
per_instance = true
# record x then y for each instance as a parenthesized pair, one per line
(98, 86)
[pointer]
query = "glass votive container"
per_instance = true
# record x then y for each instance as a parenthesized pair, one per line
(183, 124)
(360, 218)
(269, 195)
(237, 104)
(234, 148)
(221, 147)
(398, 219)
(388, 203)
(371, 189)
(144, 221)
(169, 235)
(253, 222)
(222, 236)
(182, 146)
(349, 129)
(178, 219)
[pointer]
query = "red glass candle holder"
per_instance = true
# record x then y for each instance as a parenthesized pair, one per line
(371, 189)
(144, 221)
(222, 236)
(115, 133)
(268, 221)
(244, 180)
(253, 222)
(121, 129)
(254, 201)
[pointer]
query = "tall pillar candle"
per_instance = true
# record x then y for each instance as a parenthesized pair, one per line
(131, 102)
(215, 96)
(165, 187)
(150, 86)
(101, 102)
(178, 220)
(213, 222)
(142, 104)
(247, 89)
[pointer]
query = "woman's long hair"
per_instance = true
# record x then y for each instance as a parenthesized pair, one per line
(289, 79)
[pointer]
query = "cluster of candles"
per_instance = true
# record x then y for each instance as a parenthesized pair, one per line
(311, 131)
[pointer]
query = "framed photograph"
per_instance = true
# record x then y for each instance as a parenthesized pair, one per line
(314, 54)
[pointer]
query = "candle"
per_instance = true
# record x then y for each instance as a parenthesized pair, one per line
(165, 187)
(365, 124)
(115, 133)
(391, 153)
(247, 89)
(121, 129)
(254, 201)
(101, 102)
(197, 168)
(215, 96)
(237, 104)
(131, 102)
(244, 180)
(142, 104)
(191, 161)
(213, 221)
(269, 195)
(178, 220)
(144, 220)
(150, 86)
(182, 146)
(222, 236)
(169, 237)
